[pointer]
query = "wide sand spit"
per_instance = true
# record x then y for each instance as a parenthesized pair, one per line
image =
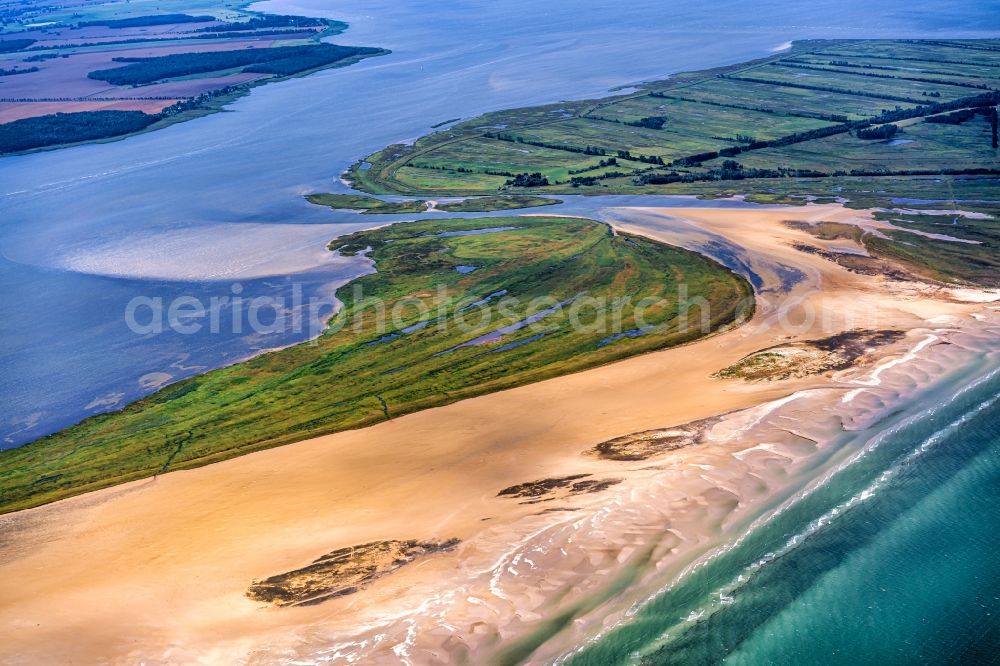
(157, 571)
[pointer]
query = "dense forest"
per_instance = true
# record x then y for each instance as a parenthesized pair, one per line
(315, 56)
(57, 128)
(11, 45)
(282, 60)
(23, 70)
(140, 21)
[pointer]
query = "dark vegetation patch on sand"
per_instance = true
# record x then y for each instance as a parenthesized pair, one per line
(810, 357)
(545, 490)
(860, 264)
(829, 231)
(342, 571)
(199, 62)
(648, 443)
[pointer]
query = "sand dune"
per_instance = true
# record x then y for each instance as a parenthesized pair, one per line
(157, 570)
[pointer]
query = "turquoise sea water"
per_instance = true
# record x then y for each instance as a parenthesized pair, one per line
(895, 559)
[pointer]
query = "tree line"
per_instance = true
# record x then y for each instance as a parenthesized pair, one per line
(830, 89)
(272, 21)
(282, 60)
(11, 45)
(58, 128)
(873, 56)
(798, 113)
(12, 72)
(887, 116)
(860, 127)
(890, 68)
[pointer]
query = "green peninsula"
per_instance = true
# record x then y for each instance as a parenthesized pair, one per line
(457, 308)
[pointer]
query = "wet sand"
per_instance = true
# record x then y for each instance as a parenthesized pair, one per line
(158, 570)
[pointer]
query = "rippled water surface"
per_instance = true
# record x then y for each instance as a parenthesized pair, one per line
(892, 559)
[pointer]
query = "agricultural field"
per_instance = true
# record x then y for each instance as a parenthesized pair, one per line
(976, 260)
(824, 109)
(457, 308)
(867, 123)
(171, 61)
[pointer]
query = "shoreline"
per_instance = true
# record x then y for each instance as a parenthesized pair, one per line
(217, 103)
(170, 274)
(276, 510)
(343, 401)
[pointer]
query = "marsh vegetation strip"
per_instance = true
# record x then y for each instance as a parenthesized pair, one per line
(98, 77)
(373, 206)
(415, 307)
(829, 118)
(931, 244)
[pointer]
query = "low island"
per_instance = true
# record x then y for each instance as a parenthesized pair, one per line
(906, 126)
(554, 439)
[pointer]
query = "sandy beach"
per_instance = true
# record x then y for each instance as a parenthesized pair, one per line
(157, 571)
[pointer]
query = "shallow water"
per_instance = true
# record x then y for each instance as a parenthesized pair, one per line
(830, 526)
(189, 210)
(892, 559)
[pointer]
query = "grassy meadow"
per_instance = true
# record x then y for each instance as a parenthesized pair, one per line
(798, 113)
(863, 122)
